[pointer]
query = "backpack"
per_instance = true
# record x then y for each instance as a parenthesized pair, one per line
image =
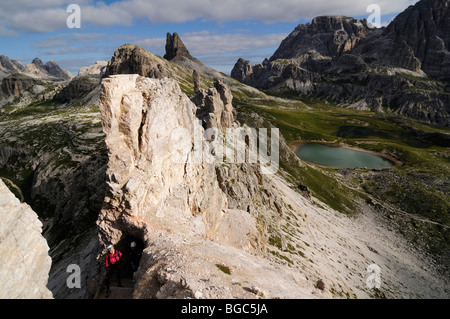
(117, 255)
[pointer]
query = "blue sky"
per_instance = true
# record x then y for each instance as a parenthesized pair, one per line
(217, 32)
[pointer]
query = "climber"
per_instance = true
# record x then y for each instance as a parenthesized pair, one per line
(114, 265)
(135, 256)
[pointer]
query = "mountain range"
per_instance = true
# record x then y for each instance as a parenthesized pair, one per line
(403, 68)
(35, 69)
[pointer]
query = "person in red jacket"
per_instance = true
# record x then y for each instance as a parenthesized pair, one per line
(113, 265)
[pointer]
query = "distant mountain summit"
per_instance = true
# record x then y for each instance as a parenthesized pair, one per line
(36, 69)
(418, 39)
(48, 70)
(403, 68)
(328, 35)
(175, 48)
(11, 66)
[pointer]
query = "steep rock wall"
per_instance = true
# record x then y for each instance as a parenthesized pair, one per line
(24, 259)
(150, 184)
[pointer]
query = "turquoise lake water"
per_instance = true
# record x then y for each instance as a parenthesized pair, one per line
(341, 157)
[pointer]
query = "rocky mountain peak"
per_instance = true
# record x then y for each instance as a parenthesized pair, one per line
(11, 66)
(175, 48)
(131, 59)
(55, 70)
(329, 35)
(242, 69)
(35, 69)
(38, 62)
(51, 69)
(423, 29)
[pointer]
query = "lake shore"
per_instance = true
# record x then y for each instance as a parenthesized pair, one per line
(297, 144)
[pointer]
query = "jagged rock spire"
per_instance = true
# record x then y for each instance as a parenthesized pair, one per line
(175, 48)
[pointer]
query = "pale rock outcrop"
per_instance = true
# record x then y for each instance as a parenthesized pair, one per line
(152, 181)
(24, 259)
(215, 106)
(98, 68)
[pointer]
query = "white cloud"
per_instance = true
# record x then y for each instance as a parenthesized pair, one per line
(52, 43)
(51, 15)
(261, 10)
(206, 43)
(35, 16)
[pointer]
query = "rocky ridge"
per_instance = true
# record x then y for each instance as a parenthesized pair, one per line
(35, 82)
(98, 68)
(171, 193)
(49, 70)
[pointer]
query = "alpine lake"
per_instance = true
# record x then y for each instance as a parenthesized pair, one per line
(340, 157)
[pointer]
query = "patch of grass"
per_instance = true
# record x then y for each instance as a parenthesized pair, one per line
(224, 269)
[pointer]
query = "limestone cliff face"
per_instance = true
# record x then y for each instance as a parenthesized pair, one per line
(423, 29)
(24, 259)
(16, 85)
(151, 180)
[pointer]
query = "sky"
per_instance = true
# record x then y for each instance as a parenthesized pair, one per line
(217, 32)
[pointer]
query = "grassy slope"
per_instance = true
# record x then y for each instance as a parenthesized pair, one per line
(45, 128)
